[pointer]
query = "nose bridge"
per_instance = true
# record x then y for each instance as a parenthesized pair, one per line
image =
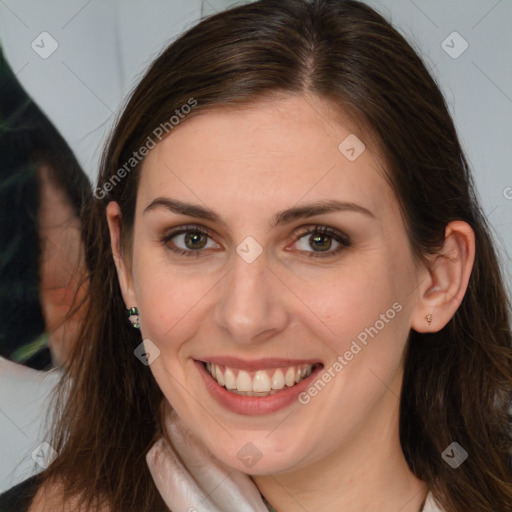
(250, 303)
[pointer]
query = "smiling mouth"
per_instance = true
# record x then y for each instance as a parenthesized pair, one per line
(259, 383)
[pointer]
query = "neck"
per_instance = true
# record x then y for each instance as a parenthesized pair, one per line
(357, 477)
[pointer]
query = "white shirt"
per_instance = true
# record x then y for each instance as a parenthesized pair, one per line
(24, 399)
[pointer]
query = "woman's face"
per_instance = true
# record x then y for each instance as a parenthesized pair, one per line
(61, 266)
(255, 294)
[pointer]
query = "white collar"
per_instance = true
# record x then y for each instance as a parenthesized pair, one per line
(431, 505)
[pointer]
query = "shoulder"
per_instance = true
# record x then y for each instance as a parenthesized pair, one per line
(50, 498)
(18, 498)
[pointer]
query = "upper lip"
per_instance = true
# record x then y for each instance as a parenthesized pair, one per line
(256, 364)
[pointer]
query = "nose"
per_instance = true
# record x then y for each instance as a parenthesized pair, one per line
(252, 304)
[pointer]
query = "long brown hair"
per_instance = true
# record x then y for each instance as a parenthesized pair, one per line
(458, 381)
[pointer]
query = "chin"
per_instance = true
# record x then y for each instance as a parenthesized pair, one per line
(253, 459)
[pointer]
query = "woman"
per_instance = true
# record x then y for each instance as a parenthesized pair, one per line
(284, 205)
(42, 191)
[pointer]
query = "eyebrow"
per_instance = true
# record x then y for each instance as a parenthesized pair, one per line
(281, 218)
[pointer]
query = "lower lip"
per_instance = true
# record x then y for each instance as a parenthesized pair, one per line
(253, 405)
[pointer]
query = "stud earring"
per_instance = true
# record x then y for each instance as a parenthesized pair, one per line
(133, 312)
(428, 318)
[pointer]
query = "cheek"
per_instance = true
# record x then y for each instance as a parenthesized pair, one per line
(170, 302)
(348, 301)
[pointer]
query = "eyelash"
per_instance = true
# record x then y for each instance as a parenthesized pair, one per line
(339, 237)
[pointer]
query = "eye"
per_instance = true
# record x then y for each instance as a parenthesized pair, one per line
(320, 239)
(188, 240)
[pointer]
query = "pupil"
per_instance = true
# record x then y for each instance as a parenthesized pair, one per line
(194, 238)
(319, 238)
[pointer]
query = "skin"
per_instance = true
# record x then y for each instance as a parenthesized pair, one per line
(61, 265)
(341, 450)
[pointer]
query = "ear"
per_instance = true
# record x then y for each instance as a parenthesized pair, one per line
(444, 284)
(121, 259)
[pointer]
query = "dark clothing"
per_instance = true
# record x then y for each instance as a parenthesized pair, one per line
(19, 497)
(41, 360)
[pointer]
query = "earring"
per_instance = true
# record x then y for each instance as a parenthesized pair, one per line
(133, 312)
(428, 318)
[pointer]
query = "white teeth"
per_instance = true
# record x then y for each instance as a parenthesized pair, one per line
(289, 378)
(243, 381)
(229, 379)
(261, 382)
(218, 376)
(278, 380)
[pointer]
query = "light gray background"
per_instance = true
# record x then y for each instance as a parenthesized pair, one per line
(104, 45)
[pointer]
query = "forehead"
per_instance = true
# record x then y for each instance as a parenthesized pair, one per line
(264, 157)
